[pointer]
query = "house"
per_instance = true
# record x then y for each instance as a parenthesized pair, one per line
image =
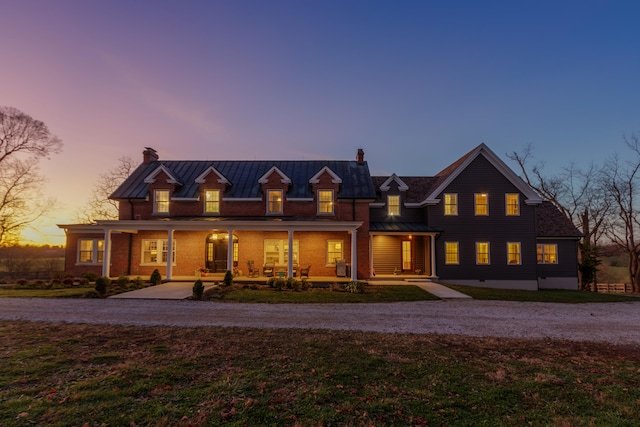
(474, 223)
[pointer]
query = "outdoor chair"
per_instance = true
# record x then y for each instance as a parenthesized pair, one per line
(304, 272)
(267, 269)
(252, 271)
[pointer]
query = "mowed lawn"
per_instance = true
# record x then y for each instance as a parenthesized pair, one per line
(62, 375)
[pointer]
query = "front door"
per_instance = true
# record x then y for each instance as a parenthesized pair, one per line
(216, 255)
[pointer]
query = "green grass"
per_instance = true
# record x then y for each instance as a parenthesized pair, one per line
(74, 292)
(371, 293)
(60, 375)
(551, 295)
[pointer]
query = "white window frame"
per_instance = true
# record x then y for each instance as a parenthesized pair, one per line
(518, 253)
(515, 206)
(96, 251)
(212, 202)
(478, 253)
(477, 205)
(447, 252)
(281, 248)
(158, 202)
(270, 203)
(451, 204)
(161, 248)
(325, 206)
(393, 208)
(541, 253)
(336, 253)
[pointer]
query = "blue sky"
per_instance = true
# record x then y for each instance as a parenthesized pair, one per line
(416, 84)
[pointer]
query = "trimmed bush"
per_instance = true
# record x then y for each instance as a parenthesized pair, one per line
(102, 283)
(123, 280)
(89, 276)
(198, 289)
(228, 278)
(155, 278)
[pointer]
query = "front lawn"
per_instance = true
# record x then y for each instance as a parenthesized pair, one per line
(68, 292)
(545, 295)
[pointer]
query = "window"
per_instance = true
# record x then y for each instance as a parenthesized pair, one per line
(482, 204)
(334, 251)
(513, 253)
(393, 205)
(451, 253)
(277, 251)
(512, 204)
(161, 199)
(482, 253)
(154, 251)
(547, 254)
(451, 204)
(212, 201)
(325, 201)
(90, 251)
(274, 201)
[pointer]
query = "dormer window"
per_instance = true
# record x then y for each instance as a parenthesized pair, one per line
(274, 202)
(161, 201)
(325, 202)
(393, 205)
(212, 201)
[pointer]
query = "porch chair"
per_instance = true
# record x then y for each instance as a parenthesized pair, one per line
(252, 271)
(267, 269)
(304, 272)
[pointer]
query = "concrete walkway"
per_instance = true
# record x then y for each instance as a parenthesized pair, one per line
(182, 290)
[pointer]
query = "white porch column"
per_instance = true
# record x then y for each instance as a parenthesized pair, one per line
(230, 251)
(106, 257)
(290, 254)
(372, 272)
(354, 255)
(169, 254)
(433, 256)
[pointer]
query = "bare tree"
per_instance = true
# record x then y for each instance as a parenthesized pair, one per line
(622, 180)
(99, 206)
(23, 142)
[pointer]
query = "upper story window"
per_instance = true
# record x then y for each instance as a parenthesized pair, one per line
(393, 205)
(512, 204)
(451, 204)
(451, 254)
(325, 202)
(90, 251)
(547, 253)
(161, 201)
(482, 203)
(212, 201)
(274, 201)
(482, 253)
(513, 253)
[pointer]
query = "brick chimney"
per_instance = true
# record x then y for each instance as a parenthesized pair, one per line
(360, 156)
(149, 155)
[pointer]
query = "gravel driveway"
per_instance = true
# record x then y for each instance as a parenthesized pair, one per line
(599, 322)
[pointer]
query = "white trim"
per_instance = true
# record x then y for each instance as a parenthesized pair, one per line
(284, 178)
(201, 179)
(334, 178)
(377, 205)
(151, 178)
(401, 185)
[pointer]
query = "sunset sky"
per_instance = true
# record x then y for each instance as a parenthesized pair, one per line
(416, 84)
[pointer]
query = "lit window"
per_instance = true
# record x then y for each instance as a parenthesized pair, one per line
(451, 253)
(90, 251)
(325, 201)
(451, 204)
(161, 198)
(274, 201)
(482, 204)
(512, 202)
(513, 253)
(155, 251)
(547, 254)
(393, 205)
(482, 253)
(334, 251)
(212, 201)
(277, 251)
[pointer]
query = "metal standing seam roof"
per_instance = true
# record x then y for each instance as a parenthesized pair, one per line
(244, 175)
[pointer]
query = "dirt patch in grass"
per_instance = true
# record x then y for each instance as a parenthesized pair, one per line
(57, 374)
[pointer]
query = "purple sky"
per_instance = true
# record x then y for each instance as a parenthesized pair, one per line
(416, 84)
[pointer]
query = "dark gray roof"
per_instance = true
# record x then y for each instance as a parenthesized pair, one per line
(550, 222)
(244, 175)
(405, 227)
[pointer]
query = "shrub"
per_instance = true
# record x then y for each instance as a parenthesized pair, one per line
(90, 276)
(22, 282)
(155, 278)
(101, 285)
(228, 278)
(83, 281)
(354, 287)
(138, 282)
(123, 280)
(198, 289)
(67, 281)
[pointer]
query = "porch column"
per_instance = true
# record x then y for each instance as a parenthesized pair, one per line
(354, 255)
(230, 251)
(433, 256)
(290, 254)
(372, 272)
(106, 256)
(169, 254)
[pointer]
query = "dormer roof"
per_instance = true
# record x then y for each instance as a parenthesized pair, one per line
(151, 178)
(334, 178)
(385, 186)
(284, 179)
(201, 179)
